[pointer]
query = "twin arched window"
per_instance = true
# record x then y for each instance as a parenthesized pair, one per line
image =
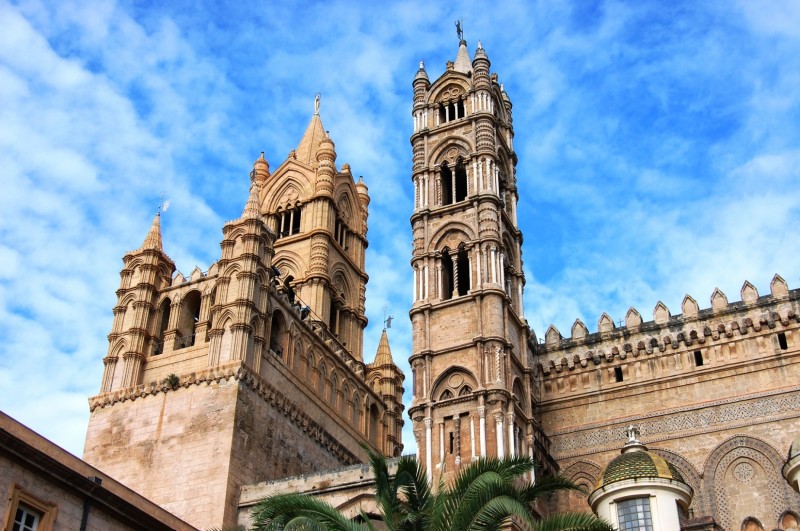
(454, 183)
(455, 272)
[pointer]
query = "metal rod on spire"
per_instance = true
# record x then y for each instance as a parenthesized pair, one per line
(387, 321)
(163, 204)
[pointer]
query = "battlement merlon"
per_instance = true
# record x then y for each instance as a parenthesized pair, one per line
(694, 327)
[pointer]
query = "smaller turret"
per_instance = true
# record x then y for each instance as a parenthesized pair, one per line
(260, 169)
(633, 481)
(147, 270)
(387, 381)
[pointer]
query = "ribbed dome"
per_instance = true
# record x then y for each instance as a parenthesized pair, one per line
(638, 463)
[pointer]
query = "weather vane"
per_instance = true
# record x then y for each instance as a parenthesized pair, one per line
(387, 321)
(163, 205)
(460, 29)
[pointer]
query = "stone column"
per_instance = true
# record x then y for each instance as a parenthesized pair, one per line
(498, 424)
(482, 429)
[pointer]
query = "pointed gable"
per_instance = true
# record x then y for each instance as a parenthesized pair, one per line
(633, 318)
(606, 323)
(661, 313)
(689, 307)
(579, 330)
(552, 337)
(778, 287)
(718, 299)
(749, 292)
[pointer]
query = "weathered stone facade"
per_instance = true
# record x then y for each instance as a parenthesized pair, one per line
(252, 370)
(714, 391)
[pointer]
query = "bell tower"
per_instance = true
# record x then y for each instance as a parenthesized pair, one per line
(471, 356)
(319, 214)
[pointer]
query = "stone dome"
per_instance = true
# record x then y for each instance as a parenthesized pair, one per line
(636, 464)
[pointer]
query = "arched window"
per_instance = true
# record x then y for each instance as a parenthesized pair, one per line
(462, 264)
(278, 335)
(188, 318)
(452, 110)
(447, 275)
(752, 524)
(447, 184)
(453, 182)
(333, 318)
(446, 395)
(323, 374)
(162, 327)
(465, 391)
(289, 221)
(374, 423)
(355, 410)
(332, 391)
(460, 181)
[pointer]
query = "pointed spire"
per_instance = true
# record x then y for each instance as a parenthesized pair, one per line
(421, 73)
(153, 239)
(384, 354)
(463, 62)
(309, 145)
(251, 208)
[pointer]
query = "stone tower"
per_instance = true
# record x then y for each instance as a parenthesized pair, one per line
(252, 370)
(386, 379)
(319, 215)
(471, 358)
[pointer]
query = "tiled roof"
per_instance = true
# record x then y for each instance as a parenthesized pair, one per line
(638, 464)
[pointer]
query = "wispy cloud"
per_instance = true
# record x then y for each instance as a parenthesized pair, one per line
(658, 154)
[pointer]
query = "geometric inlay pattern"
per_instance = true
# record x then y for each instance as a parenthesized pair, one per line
(684, 421)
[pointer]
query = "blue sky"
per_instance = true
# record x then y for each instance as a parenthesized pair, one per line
(658, 144)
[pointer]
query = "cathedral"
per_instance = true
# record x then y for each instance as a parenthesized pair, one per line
(250, 378)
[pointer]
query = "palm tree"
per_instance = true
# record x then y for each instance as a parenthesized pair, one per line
(486, 494)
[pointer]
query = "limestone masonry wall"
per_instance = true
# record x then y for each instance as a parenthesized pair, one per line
(716, 392)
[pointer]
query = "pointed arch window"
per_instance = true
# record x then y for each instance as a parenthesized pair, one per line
(452, 110)
(165, 308)
(187, 320)
(454, 183)
(455, 272)
(289, 221)
(447, 275)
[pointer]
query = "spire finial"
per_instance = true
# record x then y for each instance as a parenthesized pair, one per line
(422, 65)
(251, 208)
(460, 30)
(316, 103)
(387, 321)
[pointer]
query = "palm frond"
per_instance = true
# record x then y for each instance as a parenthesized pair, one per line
(298, 511)
(572, 522)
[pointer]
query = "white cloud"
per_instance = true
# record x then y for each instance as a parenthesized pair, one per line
(658, 154)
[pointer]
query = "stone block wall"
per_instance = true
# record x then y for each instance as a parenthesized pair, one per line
(717, 393)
